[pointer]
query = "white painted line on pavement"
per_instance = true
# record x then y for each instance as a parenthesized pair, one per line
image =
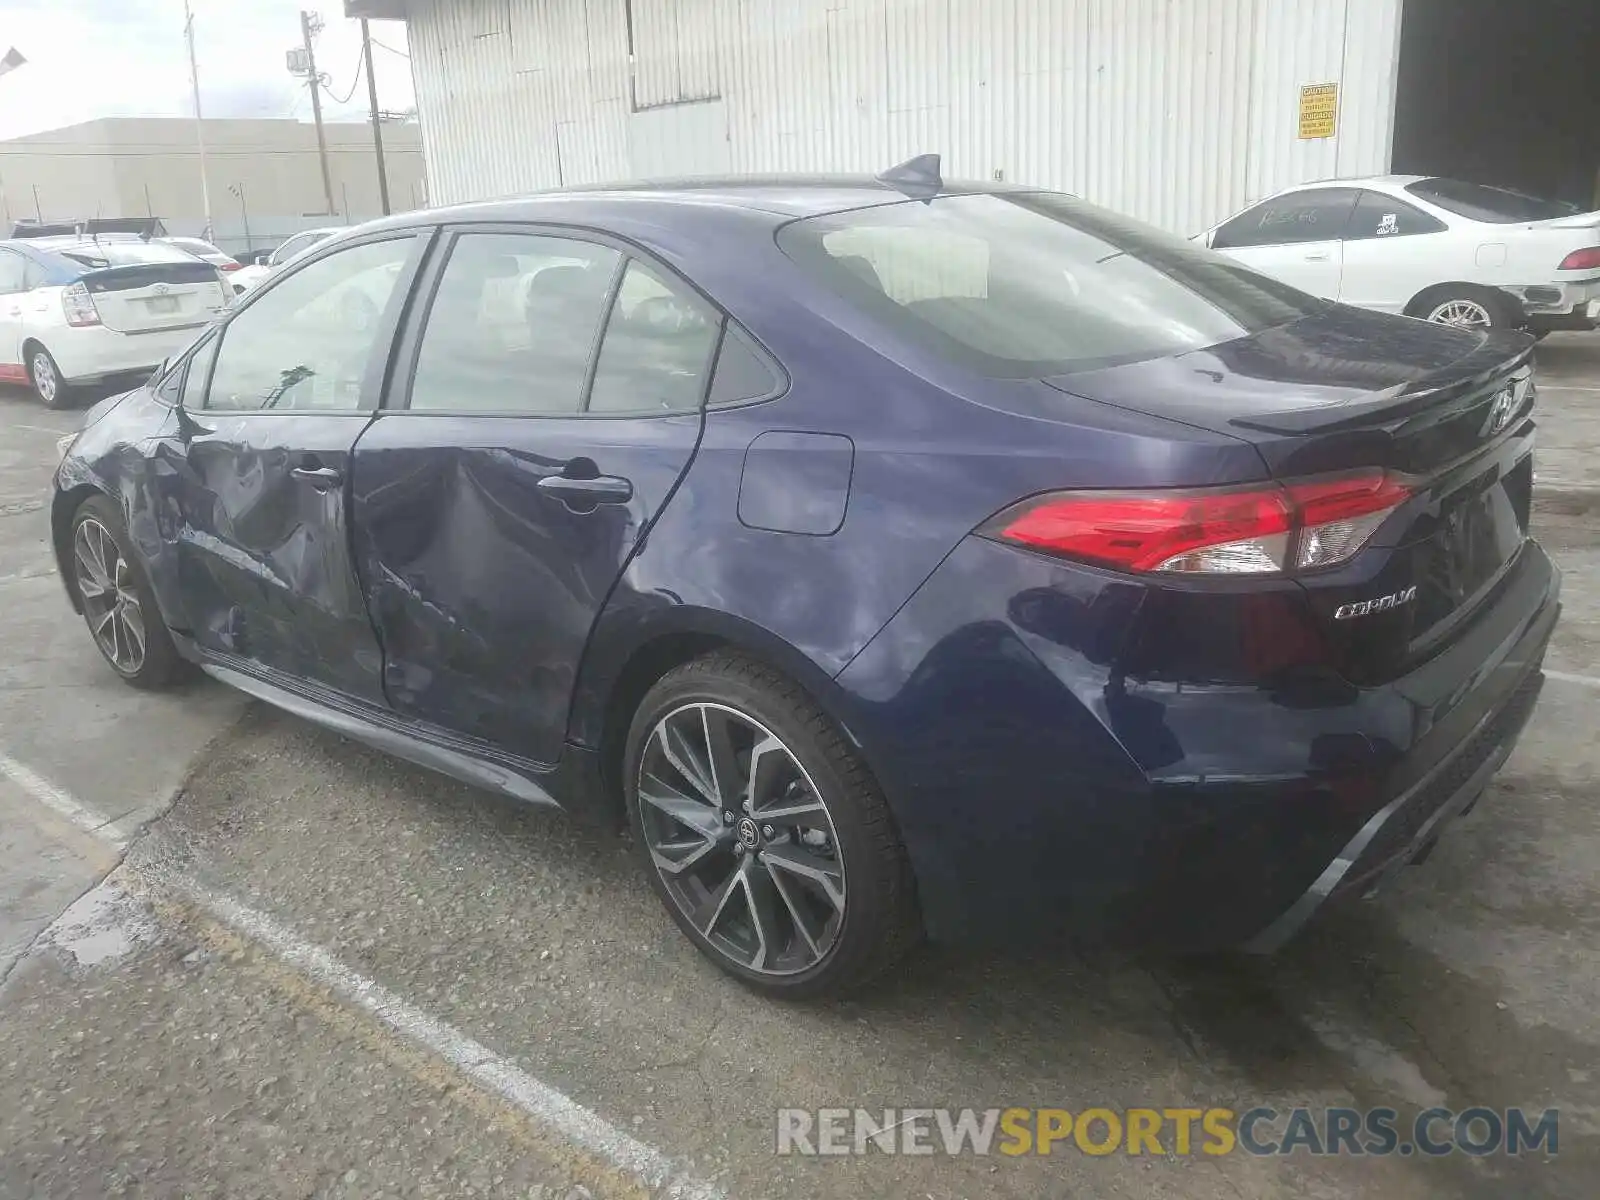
(544, 1104)
(1568, 677)
(1566, 387)
(59, 800)
(41, 429)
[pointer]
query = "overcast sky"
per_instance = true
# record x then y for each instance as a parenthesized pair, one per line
(107, 58)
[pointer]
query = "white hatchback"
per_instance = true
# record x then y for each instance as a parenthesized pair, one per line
(74, 311)
(1439, 249)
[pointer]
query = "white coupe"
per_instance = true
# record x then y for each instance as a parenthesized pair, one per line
(1439, 249)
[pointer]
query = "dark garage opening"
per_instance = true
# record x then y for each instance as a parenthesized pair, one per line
(1505, 92)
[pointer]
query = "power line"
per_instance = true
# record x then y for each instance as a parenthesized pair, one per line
(350, 95)
(390, 49)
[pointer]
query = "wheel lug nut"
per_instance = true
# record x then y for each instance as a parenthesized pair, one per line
(767, 831)
(727, 817)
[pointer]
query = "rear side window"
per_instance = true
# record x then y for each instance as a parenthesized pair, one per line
(657, 348)
(513, 324)
(1498, 206)
(743, 371)
(1318, 215)
(1033, 284)
(1381, 216)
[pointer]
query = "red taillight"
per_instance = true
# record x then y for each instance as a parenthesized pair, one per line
(78, 306)
(230, 266)
(1307, 524)
(1582, 260)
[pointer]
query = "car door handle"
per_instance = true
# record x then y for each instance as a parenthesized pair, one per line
(1318, 256)
(601, 489)
(322, 478)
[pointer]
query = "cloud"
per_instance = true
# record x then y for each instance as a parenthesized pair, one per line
(105, 58)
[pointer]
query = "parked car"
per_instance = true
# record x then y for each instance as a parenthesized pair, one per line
(76, 311)
(949, 559)
(206, 252)
(249, 276)
(1440, 249)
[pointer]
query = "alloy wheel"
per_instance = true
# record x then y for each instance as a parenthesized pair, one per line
(44, 378)
(1468, 314)
(110, 600)
(742, 839)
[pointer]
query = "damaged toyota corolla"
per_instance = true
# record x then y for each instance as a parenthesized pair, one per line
(899, 558)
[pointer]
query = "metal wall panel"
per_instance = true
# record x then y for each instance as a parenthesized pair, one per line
(1177, 111)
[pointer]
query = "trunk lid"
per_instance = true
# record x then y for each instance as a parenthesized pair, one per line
(1345, 390)
(145, 297)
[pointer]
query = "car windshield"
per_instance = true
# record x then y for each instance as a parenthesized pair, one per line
(300, 241)
(1033, 284)
(122, 254)
(1498, 206)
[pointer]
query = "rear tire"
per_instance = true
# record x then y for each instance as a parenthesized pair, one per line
(118, 605)
(46, 378)
(795, 881)
(1469, 307)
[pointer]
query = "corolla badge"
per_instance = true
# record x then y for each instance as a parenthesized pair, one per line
(1500, 412)
(1365, 608)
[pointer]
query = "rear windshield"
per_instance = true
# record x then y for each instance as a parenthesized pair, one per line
(123, 254)
(1036, 283)
(1483, 203)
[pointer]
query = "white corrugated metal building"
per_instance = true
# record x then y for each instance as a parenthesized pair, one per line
(1177, 111)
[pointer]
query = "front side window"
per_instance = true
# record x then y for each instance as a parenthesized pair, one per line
(513, 324)
(1318, 215)
(657, 347)
(1379, 216)
(306, 342)
(1035, 284)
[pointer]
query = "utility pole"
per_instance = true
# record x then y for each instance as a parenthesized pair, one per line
(199, 123)
(310, 26)
(244, 210)
(377, 126)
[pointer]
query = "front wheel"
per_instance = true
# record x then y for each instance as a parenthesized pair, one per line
(118, 605)
(764, 833)
(46, 378)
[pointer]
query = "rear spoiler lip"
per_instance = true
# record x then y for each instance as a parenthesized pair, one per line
(1397, 403)
(197, 271)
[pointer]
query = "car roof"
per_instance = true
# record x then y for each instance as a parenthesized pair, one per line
(1384, 182)
(777, 196)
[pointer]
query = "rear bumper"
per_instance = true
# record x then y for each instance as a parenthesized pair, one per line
(1043, 790)
(96, 354)
(1564, 305)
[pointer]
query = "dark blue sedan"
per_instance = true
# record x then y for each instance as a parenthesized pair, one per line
(899, 558)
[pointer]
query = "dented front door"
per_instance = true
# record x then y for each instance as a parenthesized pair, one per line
(267, 547)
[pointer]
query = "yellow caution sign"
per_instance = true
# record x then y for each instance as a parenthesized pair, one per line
(1319, 110)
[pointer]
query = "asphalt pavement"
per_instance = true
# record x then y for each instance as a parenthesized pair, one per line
(249, 958)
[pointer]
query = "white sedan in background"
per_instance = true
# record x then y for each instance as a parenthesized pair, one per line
(1439, 249)
(246, 278)
(75, 311)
